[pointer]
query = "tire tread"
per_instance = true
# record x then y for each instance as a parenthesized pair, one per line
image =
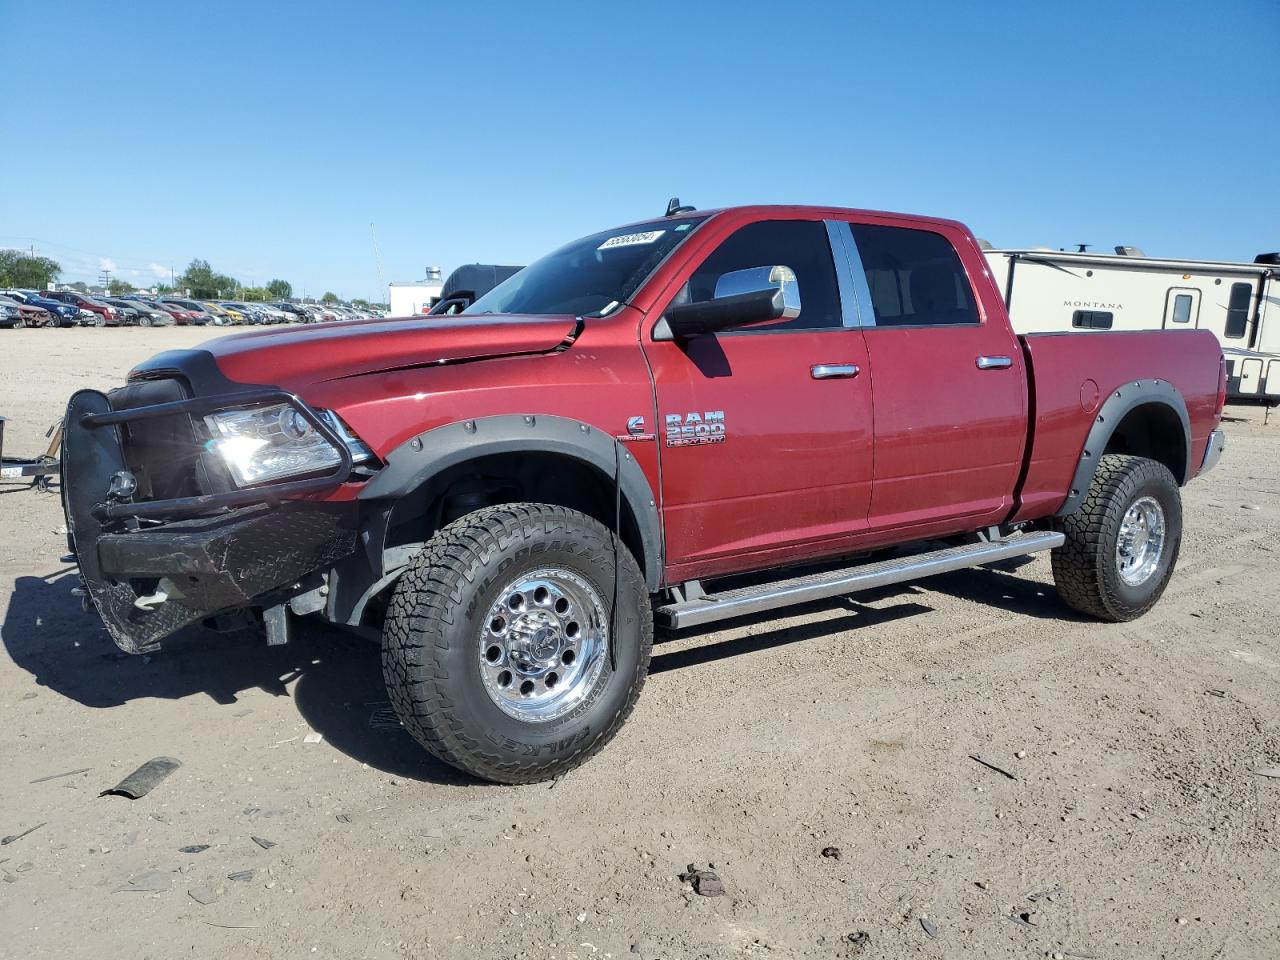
(414, 637)
(1080, 565)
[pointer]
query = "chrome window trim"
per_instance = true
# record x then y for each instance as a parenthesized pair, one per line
(850, 307)
(855, 295)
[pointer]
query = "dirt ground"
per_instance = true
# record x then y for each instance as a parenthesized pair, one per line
(1135, 826)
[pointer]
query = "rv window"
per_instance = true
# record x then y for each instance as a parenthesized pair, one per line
(1182, 308)
(914, 276)
(1092, 319)
(1238, 311)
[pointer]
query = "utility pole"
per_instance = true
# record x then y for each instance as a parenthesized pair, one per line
(377, 257)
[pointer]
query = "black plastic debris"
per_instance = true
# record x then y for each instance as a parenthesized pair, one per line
(831, 853)
(263, 843)
(194, 848)
(241, 875)
(343, 818)
(706, 883)
(18, 836)
(143, 780)
(991, 766)
(1027, 918)
(929, 927)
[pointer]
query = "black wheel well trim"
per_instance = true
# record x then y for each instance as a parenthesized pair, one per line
(419, 459)
(1122, 401)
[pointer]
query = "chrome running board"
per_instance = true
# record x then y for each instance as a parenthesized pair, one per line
(833, 583)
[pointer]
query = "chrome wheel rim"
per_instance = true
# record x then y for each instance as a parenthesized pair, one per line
(1141, 541)
(542, 645)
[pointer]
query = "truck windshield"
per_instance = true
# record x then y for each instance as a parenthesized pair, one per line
(589, 277)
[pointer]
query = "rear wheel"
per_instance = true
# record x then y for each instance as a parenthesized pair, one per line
(1122, 543)
(144, 321)
(496, 646)
(99, 320)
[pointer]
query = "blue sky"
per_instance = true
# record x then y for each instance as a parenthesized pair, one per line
(266, 137)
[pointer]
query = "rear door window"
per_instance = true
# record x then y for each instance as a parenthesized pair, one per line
(914, 276)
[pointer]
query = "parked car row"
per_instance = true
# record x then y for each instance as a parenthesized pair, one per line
(68, 308)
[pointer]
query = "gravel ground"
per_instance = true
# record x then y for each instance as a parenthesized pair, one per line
(1133, 826)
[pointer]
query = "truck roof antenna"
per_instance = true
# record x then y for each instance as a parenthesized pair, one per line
(673, 207)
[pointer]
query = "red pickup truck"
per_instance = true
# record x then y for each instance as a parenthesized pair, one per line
(661, 422)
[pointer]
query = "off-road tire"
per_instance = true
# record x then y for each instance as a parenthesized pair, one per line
(430, 641)
(1085, 568)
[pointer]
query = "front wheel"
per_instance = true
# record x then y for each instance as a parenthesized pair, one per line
(497, 644)
(1122, 542)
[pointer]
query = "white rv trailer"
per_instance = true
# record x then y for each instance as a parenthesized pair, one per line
(1051, 290)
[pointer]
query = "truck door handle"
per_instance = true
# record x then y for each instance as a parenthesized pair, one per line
(994, 363)
(833, 371)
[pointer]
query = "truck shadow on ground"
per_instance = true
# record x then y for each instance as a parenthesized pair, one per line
(335, 678)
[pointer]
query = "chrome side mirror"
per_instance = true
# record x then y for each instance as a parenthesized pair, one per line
(757, 295)
(755, 279)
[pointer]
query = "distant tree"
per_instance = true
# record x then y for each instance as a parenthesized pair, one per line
(254, 294)
(198, 279)
(329, 298)
(203, 284)
(280, 289)
(79, 286)
(19, 270)
(117, 286)
(225, 286)
(163, 288)
(360, 302)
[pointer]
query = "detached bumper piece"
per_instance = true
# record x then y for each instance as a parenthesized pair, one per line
(149, 579)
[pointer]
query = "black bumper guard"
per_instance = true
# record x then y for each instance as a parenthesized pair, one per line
(155, 566)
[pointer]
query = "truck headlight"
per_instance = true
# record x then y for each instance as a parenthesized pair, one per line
(260, 444)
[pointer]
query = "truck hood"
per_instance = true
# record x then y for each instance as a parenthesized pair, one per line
(299, 356)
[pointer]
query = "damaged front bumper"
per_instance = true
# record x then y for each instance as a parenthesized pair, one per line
(154, 566)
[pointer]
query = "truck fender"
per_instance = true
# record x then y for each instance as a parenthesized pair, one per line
(1122, 401)
(418, 459)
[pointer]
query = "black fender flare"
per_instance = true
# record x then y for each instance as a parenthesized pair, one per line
(418, 459)
(1124, 399)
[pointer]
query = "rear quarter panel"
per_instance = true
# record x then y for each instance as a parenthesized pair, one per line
(1073, 373)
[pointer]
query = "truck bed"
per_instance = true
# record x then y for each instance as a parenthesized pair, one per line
(1072, 374)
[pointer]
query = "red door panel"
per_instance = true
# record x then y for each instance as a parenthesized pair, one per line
(794, 465)
(949, 436)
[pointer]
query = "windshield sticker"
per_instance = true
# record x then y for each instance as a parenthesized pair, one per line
(631, 239)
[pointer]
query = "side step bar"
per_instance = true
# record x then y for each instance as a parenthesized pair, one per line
(834, 583)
